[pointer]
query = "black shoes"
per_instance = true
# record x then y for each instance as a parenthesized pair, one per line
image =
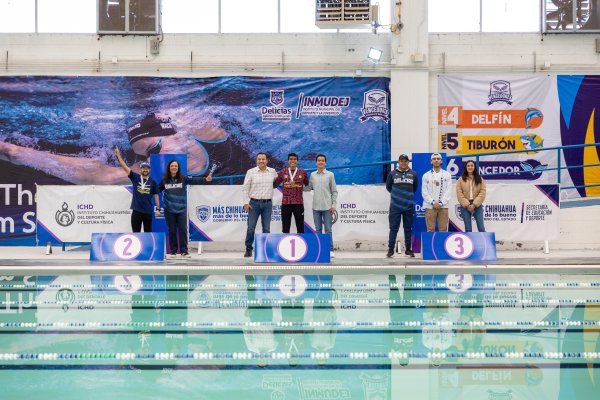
(390, 253)
(409, 253)
(248, 253)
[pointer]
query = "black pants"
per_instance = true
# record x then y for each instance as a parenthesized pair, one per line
(287, 210)
(138, 219)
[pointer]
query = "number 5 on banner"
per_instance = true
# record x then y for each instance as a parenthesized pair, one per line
(450, 115)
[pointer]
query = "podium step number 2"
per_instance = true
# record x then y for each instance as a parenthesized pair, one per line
(128, 246)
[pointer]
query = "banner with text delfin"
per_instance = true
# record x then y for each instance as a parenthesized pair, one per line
(486, 114)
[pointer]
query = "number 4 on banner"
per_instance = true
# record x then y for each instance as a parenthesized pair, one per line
(450, 115)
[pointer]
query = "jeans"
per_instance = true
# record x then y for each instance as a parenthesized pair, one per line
(177, 223)
(262, 209)
(395, 216)
(323, 218)
(466, 216)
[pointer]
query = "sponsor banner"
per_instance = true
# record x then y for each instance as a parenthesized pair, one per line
(72, 213)
(216, 213)
(528, 112)
(52, 134)
(495, 114)
(474, 144)
(529, 169)
(517, 212)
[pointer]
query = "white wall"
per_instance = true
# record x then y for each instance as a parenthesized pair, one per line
(413, 82)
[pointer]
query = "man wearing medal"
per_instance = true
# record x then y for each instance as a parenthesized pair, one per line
(436, 195)
(293, 180)
(144, 187)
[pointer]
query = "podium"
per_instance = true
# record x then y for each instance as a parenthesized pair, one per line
(459, 246)
(128, 246)
(291, 247)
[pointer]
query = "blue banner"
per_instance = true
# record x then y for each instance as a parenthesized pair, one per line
(291, 248)
(128, 247)
(62, 130)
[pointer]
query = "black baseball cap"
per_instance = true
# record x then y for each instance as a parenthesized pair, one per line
(403, 157)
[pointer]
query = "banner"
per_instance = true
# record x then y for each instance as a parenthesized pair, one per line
(516, 212)
(216, 213)
(61, 130)
(503, 113)
(72, 213)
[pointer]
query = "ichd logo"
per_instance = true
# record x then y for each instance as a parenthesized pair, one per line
(203, 213)
(64, 217)
(375, 106)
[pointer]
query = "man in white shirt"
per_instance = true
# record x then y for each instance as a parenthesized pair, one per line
(258, 198)
(436, 195)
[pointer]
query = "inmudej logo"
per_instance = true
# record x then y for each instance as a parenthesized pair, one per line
(375, 106)
(64, 217)
(321, 105)
(203, 213)
(276, 112)
(500, 92)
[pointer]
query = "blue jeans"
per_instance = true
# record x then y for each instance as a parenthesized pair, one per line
(394, 218)
(466, 216)
(323, 218)
(177, 223)
(262, 209)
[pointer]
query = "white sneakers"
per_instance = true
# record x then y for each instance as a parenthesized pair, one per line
(331, 254)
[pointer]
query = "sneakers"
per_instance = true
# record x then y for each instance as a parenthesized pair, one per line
(409, 253)
(331, 254)
(248, 253)
(185, 255)
(390, 253)
(172, 255)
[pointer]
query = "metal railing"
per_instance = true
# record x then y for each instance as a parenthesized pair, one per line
(477, 157)
(558, 168)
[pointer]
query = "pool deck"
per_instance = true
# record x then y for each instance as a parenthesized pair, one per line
(75, 260)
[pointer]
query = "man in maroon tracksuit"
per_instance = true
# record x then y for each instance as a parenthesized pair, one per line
(293, 180)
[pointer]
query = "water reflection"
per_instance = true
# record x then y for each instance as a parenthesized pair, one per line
(307, 337)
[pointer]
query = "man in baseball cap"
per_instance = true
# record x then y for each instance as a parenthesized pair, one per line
(402, 183)
(144, 188)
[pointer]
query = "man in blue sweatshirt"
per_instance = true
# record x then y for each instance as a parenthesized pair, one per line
(402, 183)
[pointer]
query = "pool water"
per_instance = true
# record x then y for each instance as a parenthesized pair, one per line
(300, 337)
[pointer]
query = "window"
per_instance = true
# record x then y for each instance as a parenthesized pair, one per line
(484, 15)
(190, 16)
(17, 16)
(67, 16)
(453, 15)
(510, 16)
(244, 16)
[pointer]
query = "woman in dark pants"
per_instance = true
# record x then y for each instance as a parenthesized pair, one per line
(174, 185)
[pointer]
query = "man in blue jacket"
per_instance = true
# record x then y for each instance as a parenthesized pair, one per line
(402, 183)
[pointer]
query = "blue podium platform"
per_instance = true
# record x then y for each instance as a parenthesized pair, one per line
(459, 246)
(128, 246)
(292, 248)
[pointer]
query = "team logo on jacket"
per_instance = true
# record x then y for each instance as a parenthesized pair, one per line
(500, 92)
(375, 106)
(203, 213)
